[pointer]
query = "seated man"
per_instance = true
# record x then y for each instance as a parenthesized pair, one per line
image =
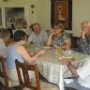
(38, 36)
(82, 75)
(17, 51)
(85, 38)
(4, 38)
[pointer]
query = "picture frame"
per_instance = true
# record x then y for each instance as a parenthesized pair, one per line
(61, 12)
(0, 16)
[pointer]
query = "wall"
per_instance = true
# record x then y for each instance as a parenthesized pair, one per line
(22, 3)
(80, 12)
(43, 13)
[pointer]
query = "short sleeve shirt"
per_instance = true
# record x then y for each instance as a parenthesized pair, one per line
(38, 39)
(2, 48)
(84, 45)
(60, 40)
(84, 73)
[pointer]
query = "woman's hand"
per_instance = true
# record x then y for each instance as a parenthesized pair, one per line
(66, 61)
(83, 34)
(41, 52)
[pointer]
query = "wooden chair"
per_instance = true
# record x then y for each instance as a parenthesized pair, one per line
(25, 80)
(4, 80)
(74, 42)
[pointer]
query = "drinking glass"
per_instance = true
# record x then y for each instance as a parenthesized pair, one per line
(59, 50)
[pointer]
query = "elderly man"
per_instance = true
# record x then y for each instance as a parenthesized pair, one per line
(81, 81)
(4, 38)
(38, 36)
(85, 38)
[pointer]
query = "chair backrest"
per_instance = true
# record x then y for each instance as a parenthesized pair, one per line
(74, 42)
(24, 77)
(3, 73)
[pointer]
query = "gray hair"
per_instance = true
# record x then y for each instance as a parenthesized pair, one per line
(4, 33)
(86, 22)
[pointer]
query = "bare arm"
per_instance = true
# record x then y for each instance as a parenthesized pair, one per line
(30, 38)
(50, 39)
(22, 51)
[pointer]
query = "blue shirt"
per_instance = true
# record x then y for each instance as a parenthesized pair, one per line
(12, 55)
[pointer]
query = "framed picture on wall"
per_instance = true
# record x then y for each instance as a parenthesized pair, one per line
(0, 17)
(61, 12)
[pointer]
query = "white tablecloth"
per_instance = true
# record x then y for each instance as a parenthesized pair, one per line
(49, 65)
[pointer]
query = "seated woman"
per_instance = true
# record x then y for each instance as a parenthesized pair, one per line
(85, 38)
(81, 81)
(58, 38)
(16, 50)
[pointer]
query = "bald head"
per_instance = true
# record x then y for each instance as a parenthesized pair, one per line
(36, 28)
(89, 26)
(84, 22)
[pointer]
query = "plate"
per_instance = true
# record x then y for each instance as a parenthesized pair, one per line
(66, 57)
(46, 48)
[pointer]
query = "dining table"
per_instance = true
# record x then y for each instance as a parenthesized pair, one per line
(50, 62)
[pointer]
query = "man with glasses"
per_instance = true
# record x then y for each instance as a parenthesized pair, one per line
(85, 38)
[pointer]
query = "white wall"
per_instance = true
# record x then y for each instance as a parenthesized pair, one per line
(43, 13)
(80, 12)
(19, 3)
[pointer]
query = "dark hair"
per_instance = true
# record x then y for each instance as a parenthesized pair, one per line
(31, 27)
(19, 35)
(59, 25)
(4, 33)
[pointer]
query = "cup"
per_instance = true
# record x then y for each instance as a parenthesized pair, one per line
(59, 50)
